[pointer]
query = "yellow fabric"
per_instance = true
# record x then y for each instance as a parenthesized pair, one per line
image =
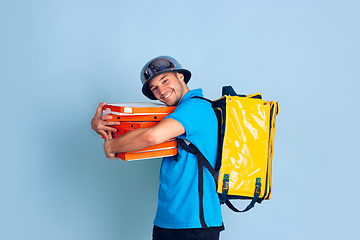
(248, 145)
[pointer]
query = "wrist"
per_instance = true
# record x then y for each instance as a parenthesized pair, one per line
(108, 146)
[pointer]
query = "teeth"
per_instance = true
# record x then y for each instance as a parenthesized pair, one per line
(167, 95)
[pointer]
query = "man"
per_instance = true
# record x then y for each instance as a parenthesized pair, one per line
(180, 215)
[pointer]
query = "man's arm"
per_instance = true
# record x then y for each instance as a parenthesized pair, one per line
(143, 137)
(99, 123)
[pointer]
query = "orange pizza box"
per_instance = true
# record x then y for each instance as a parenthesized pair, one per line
(167, 144)
(125, 127)
(118, 135)
(134, 117)
(160, 146)
(142, 108)
(142, 111)
(147, 154)
(171, 143)
(120, 132)
(134, 125)
(128, 126)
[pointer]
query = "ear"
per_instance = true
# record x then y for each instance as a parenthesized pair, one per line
(180, 76)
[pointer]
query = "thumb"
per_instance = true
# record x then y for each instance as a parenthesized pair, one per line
(99, 110)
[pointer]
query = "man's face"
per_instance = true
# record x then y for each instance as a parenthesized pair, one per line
(169, 88)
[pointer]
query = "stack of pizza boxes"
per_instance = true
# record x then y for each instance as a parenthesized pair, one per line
(141, 115)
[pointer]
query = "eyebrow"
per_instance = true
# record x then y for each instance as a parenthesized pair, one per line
(164, 77)
(159, 80)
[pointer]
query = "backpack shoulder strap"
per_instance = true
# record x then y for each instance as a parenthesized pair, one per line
(191, 148)
(229, 91)
(202, 161)
(210, 101)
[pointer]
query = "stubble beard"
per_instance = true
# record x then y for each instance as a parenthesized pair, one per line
(178, 98)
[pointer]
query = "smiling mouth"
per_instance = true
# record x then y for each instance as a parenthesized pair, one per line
(166, 96)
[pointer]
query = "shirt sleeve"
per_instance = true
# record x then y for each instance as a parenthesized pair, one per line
(191, 115)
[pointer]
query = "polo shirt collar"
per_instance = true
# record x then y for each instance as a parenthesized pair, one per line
(192, 93)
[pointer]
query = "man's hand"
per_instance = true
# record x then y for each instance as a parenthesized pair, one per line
(99, 123)
(108, 154)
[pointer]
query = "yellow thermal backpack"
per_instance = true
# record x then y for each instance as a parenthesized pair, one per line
(245, 148)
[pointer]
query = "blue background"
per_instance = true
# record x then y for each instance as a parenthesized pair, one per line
(59, 59)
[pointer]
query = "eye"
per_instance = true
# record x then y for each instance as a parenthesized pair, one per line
(153, 89)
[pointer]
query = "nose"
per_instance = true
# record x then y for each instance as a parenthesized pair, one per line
(161, 89)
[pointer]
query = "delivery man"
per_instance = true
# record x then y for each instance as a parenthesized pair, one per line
(179, 213)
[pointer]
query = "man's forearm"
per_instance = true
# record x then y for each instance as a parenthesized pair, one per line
(131, 141)
(144, 137)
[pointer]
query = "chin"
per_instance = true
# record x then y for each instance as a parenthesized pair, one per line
(168, 102)
(171, 102)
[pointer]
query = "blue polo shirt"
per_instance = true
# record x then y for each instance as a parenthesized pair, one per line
(178, 200)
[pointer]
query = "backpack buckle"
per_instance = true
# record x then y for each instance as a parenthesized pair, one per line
(225, 189)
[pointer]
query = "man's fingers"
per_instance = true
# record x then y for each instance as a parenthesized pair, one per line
(102, 132)
(103, 129)
(99, 109)
(112, 157)
(110, 129)
(108, 117)
(113, 123)
(110, 135)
